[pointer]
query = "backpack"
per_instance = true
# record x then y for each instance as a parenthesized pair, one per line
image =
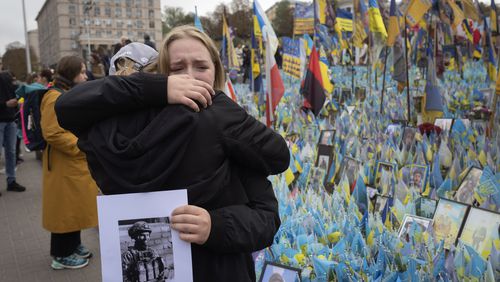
(30, 120)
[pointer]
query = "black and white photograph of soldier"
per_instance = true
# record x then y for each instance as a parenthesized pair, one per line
(146, 247)
(326, 137)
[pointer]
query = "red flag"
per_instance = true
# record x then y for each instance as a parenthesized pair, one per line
(312, 85)
(274, 85)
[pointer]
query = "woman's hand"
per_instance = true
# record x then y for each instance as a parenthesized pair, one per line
(193, 223)
(185, 90)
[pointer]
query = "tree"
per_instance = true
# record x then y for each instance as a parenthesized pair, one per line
(175, 16)
(283, 21)
(14, 60)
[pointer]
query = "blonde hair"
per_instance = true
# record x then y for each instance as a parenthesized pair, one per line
(187, 31)
(126, 66)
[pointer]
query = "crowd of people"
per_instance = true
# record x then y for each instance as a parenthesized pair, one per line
(203, 141)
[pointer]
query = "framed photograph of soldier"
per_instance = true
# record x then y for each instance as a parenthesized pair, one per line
(408, 137)
(384, 178)
(415, 177)
(426, 207)
(317, 178)
(324, 156)
(481, 230)
(137, 243)
(360, 93)
(448, 220)
(274, 272)
(345, 95)
(326, 137)
(413, 223)
(380, 204)
(350, 167)
(465, 191)
(146, 248)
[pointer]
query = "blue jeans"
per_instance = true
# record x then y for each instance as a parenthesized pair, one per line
(8, 135)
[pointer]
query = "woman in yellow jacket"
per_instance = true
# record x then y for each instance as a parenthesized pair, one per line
(69, 192)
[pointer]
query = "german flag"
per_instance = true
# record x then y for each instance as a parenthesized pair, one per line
(312, 86)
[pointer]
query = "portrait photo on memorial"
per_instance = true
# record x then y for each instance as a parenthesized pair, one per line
(481, 231)
(448, 220)
(385, 178)
(465, 192)
(350, 167)
(412, 224)
(425, 207)
(408, 137)
(445, 125)
(326, 137)
(415, 177)
(146, 247)
(274, 272)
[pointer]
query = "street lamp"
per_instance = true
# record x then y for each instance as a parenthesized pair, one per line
(87, 6)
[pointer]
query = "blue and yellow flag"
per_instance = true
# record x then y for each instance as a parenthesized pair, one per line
(229, 57)
(376, 22)
(197, 22)
(344, 19)
(493, 18)
(393, 31)
(416, 11)
(492, 63)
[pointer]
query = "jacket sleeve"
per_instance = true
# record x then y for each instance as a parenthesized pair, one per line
(56, 136)
(250, 227)
(249, 142)
(93, 101)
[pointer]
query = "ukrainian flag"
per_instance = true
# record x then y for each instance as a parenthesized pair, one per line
(416, 11)
(376, 22)
(344, 19)
(393, 31)
(492, 64)
(493, 18)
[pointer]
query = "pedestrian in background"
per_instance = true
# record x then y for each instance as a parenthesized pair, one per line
(69, 192)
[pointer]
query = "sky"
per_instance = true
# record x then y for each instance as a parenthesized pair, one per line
(12, 25)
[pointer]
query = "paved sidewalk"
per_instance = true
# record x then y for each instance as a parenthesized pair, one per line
(24, 244)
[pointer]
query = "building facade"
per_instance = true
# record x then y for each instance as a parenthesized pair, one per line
(33, 40)
(69, 27)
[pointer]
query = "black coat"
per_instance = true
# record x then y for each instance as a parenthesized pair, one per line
(221, 155)
(7, 92)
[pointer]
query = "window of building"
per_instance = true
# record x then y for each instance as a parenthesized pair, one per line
(138, 3)
(140, 24)
(118, 12)
(128, 3)
(97, 22)
(119, 23)
(109, 22)
(151, 14)
(74, 34)
(150, 3)
(98, 33)
(109, 33)
(128, 12)
(119, 33)
(72, 21)
(97, 11)
(117, 2)
(138, 13)
(72, 9)
(107, 11)
(129, 23)
(151, 24)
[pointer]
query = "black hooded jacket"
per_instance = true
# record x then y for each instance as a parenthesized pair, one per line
(221, 155)
(7, 92)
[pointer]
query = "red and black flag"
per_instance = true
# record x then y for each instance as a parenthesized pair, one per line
(312, 86)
